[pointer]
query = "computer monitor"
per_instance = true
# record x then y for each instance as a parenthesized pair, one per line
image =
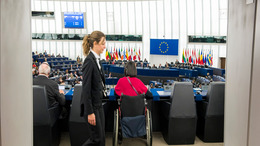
(73, 20)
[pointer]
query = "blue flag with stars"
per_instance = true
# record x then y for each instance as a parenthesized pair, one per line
(164, 46)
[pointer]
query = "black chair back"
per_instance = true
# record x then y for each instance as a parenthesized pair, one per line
(75, 106)
(215, 97)
(210, 127)
(41, 115)
(179, 126)
(132, 106)
(183, 104)
(78, 128)
(45, 120)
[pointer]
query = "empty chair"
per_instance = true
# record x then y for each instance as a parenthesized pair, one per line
(210, 126)
(45, 123)
(78, 128)
(179, 115)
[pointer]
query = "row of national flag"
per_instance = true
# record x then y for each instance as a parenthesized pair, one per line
(197, 56)
(123, 54)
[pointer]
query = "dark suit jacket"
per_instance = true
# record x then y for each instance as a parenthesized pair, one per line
(52, 89)
(92, 85)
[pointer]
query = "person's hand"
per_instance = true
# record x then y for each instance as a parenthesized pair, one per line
(61, 91)
(92, 119)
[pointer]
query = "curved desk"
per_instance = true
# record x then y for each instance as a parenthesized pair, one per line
(218, 71)
(148, 72)
(204, 71)
(146, 75)
(159, 94)
(188, 72)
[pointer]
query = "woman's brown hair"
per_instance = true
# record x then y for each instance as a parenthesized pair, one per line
(89, 40)
(130, 69)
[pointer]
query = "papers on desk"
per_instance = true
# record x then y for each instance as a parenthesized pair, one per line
(164, 93)
(61, 87)
(197, 89)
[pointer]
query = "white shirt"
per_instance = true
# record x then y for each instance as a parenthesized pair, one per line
(97, 58)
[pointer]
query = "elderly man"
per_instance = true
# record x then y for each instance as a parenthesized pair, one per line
(55, 96)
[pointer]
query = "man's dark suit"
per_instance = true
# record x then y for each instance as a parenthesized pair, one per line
(91, 99)
(54, 96)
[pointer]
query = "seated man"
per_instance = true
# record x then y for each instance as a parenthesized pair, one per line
(55, 96)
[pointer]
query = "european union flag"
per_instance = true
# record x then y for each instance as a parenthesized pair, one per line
(164, 46)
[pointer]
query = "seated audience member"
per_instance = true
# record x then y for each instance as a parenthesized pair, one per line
(151, 85)
(123, 64)
(160, 66)
(167, 66)
(58, 55)
(34, 65)
(177, 61)
(71, 68)
(114, 62)
(71, 76)
(45, 53)
(33, 72)
(130, 85)
(195, 83)
(181, 66)
(77, 67)
(209, 77)
(75, 74)
(60, 81)
(147, 66)
(142, 64)
(55, 96)
(154, 66)
(191, 66)
(67, 74)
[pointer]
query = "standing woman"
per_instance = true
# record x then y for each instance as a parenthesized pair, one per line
(93, 86)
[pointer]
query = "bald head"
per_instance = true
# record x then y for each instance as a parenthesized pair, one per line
(44, 69)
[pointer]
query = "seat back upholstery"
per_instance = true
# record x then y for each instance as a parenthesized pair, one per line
(78, 128)
(41, 114)
(45, 124)
(215, 97)
(183, 104)
(132, 106)
(180, 127)
(210, 127)
(75, 106)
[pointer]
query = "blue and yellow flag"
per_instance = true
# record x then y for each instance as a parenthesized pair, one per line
(164, 46)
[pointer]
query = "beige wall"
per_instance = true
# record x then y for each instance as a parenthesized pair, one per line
(242, 92)
(16, 79)
(254, 128)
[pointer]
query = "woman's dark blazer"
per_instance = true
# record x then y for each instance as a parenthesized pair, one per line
(92, 85)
